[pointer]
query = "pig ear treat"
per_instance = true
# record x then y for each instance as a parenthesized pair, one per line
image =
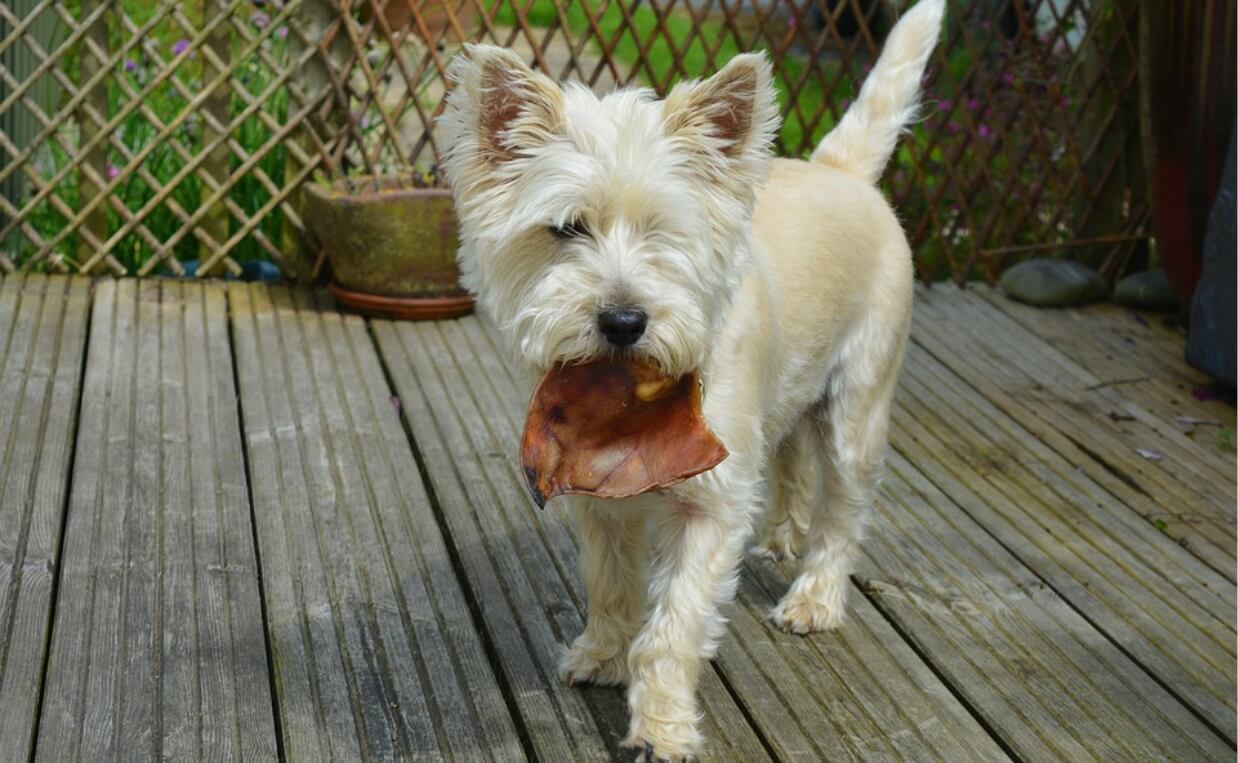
(614, 430)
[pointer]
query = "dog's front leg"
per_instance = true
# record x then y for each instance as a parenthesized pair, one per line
(612, 563)
(697, 543)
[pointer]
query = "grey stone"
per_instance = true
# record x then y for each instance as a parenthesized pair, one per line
(1149, 290)
(1053, 283)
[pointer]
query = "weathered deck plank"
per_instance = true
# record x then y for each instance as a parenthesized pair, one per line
(1187, 493)
(1045, 680)
(1026, 568)
(1127, 350)
(42, 338)
(862, 694)
(1157, 601)
(157, 648)
(373, 647)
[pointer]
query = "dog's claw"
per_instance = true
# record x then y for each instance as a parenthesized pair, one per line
(649, 752)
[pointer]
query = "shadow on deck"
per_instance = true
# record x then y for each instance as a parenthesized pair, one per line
(235, 523)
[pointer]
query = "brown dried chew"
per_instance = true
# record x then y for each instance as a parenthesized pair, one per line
(614, 430)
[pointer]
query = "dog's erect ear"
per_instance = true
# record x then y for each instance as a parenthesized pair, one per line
(505, 107)
(733, 113)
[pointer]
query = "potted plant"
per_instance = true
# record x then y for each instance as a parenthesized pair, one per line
(390, 243)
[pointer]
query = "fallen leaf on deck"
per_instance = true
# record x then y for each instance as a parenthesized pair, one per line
(1151, 455)
(614, 430)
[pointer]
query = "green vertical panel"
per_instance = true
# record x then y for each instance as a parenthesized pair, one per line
(18, 123)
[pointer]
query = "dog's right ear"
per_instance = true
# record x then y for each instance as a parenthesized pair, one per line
(499, 109)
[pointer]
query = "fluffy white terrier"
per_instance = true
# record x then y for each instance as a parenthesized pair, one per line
(664, 231)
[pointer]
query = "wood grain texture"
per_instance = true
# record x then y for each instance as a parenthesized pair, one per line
(42, 338)
(1031, 586)
(1188, 493)
(1134, 351)
(372, 643)
(1045, 680)
(860, 694)
(1137, 585)
(157, 649)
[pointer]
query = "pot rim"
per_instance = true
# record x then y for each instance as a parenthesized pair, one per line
(338, 193)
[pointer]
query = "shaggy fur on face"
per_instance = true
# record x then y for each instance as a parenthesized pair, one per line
(786, 285)
(655, 195)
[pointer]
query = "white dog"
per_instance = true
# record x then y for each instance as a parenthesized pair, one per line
(664, 231)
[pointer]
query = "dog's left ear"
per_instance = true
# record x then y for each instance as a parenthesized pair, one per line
(733, 115)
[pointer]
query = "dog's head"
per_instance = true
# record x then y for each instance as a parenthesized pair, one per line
(613, 226)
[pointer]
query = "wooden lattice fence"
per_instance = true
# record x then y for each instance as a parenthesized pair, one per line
(155, 137)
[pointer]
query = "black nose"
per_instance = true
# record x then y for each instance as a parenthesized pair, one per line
(622, 327)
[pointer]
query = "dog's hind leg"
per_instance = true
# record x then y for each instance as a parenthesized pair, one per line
(852, 432)
(794, 478)
(612, 563)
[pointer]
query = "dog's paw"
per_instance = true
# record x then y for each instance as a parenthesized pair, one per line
(669, 742)
(582, 665)
(800, 614)
(665, 724)
(647, 754)
(774, 549)
(781, 542)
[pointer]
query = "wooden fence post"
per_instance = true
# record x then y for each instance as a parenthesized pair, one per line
(215, 222)
(96, 100)
(314, 80)
(1114, 168)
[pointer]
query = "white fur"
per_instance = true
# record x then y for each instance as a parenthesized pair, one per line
(787, 285)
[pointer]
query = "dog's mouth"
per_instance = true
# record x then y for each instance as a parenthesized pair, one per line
(614, 429)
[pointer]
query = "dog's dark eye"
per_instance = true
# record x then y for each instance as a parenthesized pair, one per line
(574, 229)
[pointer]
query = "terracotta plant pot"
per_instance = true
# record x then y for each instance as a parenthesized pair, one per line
(392, 249)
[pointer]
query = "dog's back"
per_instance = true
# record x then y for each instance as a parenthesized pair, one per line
(836, 264)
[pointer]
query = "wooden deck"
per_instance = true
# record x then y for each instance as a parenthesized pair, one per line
(235, 523)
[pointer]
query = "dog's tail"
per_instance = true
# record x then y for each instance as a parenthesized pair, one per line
(865, 137)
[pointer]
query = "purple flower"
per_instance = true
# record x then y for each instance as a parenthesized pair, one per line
(1066, 100)
(260, 19)
(282, 33)
(954, 128)
(130, 65)
(112, 172)
(985, 132)
(1007, 79)
(944, 104)
(364, 122)
(973, 104)
(180, 46)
